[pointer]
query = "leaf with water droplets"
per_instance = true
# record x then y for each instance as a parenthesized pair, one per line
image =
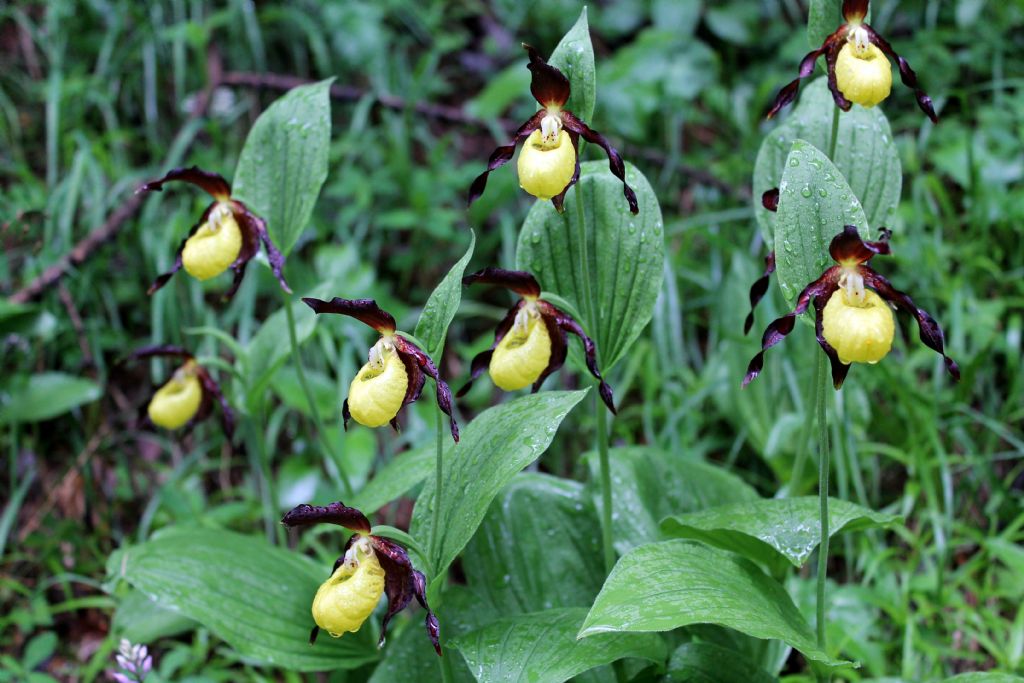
(494, 447)
(254, 596)
(284, 162)
(773, 531)
(662, 586)
(542, 647)
(574, 56)
(442, 305)
(865, 154)
(811, 212)
(625, 255)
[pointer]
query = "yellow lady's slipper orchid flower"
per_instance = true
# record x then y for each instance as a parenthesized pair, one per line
(853, 323)
(378, 390)
(214, 246)
(531, 342)
(546, 168)
(857, 59)
(371, 566)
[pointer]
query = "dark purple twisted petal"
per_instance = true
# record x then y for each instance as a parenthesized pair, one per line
(254, 231)
(839, 369)
(788, 92)
(169, 350)
(907, 74)
(931, 333)
(559, 199)
(770, 199)
(758, 289)
(503, 154)
(163, 278)
(559, 350)
(213, 183)
(848, 246)
(833, 46)
(568, 324)
(855, 10)
(365, 311)
(518, 281)
(780, 327)
(549, 85)
(431, 623)
(444, 394)
(333, 513)
(615, 163)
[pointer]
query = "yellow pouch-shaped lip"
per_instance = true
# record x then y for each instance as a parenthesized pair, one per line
(214, 246)
(545, 170)
(176, 402)
(344, 601)
(521, 355)
(378, 391)
(859, 334)
(863, 75)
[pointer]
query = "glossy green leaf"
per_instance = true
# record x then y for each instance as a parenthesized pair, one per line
(284, 161)
(773, 530)
(43, 396)
(711, 663)
(823, 18)
(574, 56)
(625, 253)
(651, 484)
(538, 547)
(662, 586)
(494, 447)
(409, 657)
(142, 620)
(253, 595)
(814, 204)
(399, 476)
(442, 305)
(542, 648)
(865, 153)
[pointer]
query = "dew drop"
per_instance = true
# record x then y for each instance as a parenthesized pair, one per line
(806, 192)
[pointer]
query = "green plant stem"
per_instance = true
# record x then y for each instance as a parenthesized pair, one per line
(835, 134)
(310, 400)
(591, 311)
(821, 380)
(438, 484)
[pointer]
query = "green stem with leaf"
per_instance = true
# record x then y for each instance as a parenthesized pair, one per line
(591, 310)
(310, 399)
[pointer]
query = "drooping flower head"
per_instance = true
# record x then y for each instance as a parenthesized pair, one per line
(227, 235)
(549, 162)
(394, 374)
(188, 396)
(858, 66)
(853, 322)
(531, 342)
(370, 566)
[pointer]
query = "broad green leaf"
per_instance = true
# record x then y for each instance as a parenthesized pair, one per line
(651, 484)
(773, 530)
(814, 204)
(625, 254)
(662, 586)
(865, 153)
(253, 595)
(396, 478)
(39, 649)
(542, 648)
(284, 161)
(409, 657)
(538, 547)
(271, 345)
(823, 18)
(43, 396)
(142, 620)
(495, 446)
(574, 56)
(710, 663)
(442, 305)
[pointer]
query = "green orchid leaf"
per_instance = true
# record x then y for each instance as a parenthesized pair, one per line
(284, 161)
(538, 547)
(43, 396)
(542, 647)
(773, 531)
(494, 447)
(574, 57)
(663, 586)
(442, 305)
(626, 253)
(399, 476)
(711, 663)
(814, 204)
(823, 18)
(865, 154)
(254, 596)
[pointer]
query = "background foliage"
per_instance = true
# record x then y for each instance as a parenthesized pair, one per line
(96, 97)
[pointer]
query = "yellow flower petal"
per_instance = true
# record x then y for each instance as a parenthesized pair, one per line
(176, 402)
(349, 597)
(521, 355)
(863, 75)
(377, 392)
(214, 246)
(546, 169)
(859, 334)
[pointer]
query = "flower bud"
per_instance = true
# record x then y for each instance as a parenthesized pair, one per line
(545, 168)
(214, 246)
(522, 354)
(863, 74)
(378, 391)
(176, 402)
(860, 333)
(349, 597)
